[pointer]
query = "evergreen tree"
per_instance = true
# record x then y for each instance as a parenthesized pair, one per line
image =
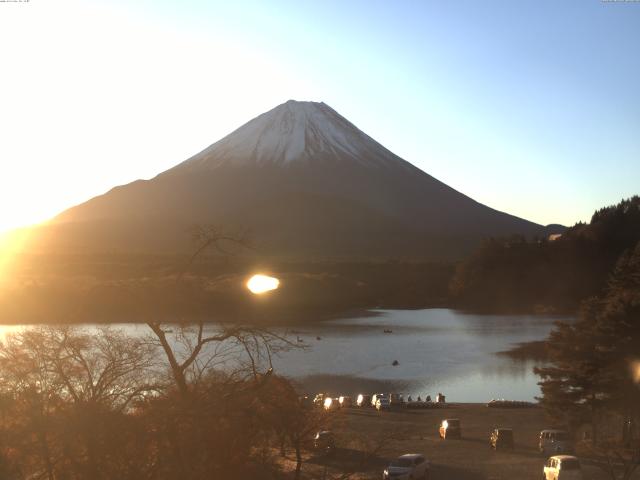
(593, 360)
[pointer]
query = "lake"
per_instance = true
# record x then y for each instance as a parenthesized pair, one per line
(438, 350)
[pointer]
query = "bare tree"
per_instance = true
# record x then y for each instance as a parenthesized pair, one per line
(63, 382)
(191, 350)
(612, 457)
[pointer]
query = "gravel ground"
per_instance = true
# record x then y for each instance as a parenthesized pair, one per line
(367, 439)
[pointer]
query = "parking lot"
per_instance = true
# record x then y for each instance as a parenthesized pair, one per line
(368, 439)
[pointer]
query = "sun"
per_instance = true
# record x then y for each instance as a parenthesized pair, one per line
(262, 283)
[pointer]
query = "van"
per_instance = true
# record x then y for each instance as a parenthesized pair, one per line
(450, 428)
(501, 439)
(554, 441)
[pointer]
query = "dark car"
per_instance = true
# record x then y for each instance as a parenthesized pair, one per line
(318, 400)
(325, 441)
(363, 400)
(450, 428)
(501, 439)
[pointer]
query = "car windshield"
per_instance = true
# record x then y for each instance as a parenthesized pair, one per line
(570, 464)
(505, 434)
(401, 462)
(560, 436)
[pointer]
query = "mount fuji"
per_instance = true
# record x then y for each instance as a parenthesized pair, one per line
(305, 182)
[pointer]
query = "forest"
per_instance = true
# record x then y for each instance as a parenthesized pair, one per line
(516, 274)
(591, 382)
(117, 288)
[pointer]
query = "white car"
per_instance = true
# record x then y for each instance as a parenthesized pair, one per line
(562, 467)
(410, 466)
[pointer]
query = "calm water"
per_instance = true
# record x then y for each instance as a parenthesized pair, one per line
(438, 350)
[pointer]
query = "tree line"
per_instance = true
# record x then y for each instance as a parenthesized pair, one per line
(592, 380)
(517, 274)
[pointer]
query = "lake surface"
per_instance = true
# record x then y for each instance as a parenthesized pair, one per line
(438, 350)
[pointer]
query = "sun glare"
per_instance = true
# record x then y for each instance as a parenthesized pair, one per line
(11, 244)
(635, 371)
(262, 283)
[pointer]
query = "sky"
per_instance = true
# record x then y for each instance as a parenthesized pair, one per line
(530, 107)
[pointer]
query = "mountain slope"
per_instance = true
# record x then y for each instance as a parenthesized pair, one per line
(306, 183)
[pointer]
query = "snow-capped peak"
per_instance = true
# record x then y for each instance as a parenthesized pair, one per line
(292, 132)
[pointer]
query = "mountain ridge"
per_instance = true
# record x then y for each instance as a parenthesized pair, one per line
(307, 183)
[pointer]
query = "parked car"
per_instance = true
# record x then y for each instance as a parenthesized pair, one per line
(324, 441)
(501, 439)
(396, 399)
(383, 403)
(562, 467)
(410, 466)
(344, 401)
(450, 428)
(555, 441)
(331, 403)
(363, 400)
(318, 400)
(377, 397)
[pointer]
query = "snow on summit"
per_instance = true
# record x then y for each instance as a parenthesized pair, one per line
(291, 132)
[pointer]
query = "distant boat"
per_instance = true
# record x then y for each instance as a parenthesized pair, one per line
(300, 340)
(395, 363)
(318, 338)
(386, 330)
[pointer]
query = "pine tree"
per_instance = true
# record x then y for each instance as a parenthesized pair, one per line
(593, 360)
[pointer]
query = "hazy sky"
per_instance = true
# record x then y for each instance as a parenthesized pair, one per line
(531, 107)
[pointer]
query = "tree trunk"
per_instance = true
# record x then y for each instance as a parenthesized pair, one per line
(282, 439)
(44, 448)
(594, 422)
(177, 370)
(298, 459)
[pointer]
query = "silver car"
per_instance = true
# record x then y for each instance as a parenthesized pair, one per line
(410, 466)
